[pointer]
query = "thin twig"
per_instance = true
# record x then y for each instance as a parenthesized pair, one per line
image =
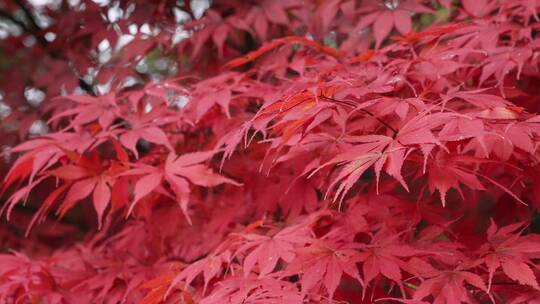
(354, 105)
(380, 120)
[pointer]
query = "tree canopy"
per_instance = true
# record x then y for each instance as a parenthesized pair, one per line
(270, 151)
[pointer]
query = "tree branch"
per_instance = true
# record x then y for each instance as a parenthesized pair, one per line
(12, 19)
(31, 30)
(28, 14)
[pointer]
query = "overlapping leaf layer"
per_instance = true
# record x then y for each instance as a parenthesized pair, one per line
(271, 152)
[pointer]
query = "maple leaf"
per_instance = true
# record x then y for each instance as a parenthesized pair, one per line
(384, 256)
(253, 290)
(510, 252)
(448, 287)
(113, 103)
(390, 14)
(444, 174)
(323, 264)
(214, 91)
(83, 177)
(89, 109)
(210, 267)
(177, 171)
(379, 150)
(358, 159)
(268, 250)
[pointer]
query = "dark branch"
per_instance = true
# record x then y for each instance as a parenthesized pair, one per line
(35, 29)
(17, 22)
(28, 14)
(187, 8)
(31, 30)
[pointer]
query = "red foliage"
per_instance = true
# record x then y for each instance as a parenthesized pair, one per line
(270, 151)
